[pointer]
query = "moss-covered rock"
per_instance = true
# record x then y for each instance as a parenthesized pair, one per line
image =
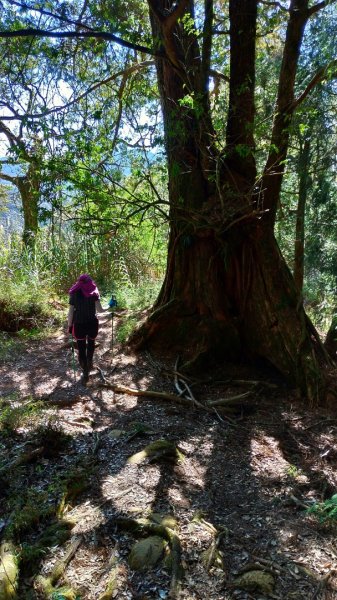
(115, 434)
(146, 554)
(256, 581)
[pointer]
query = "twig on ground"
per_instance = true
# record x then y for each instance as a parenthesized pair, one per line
(298, 502)
(322, 583)
(229, 400)
(224, 418)
(23, 459)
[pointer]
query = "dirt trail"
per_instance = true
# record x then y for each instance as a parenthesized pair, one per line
(237, 492)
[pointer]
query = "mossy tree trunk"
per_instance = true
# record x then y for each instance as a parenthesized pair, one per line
(29, 188)
(29, 184)
(227, 291)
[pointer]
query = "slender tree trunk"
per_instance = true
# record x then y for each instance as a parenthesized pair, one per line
(273, 174)
(304, 161)
(29, 188)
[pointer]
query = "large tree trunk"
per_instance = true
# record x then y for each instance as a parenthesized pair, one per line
(29, 188)
(234, 299)
(227, 294)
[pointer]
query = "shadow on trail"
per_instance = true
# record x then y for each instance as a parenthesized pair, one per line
(238, 479)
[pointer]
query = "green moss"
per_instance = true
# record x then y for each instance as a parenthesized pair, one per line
(146, 554)
(29, 511)
(111, 585)
(256, 581)
(55, 535)
(8, 571)
(160, 449)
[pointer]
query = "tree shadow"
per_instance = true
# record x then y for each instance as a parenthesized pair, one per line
(237, 479)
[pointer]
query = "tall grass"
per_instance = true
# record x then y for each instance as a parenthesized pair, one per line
(34, 285)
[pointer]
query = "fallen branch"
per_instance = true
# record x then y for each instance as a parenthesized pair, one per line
(322, 583)
(298, 502)
(224, 418)
(213, 551)
(230, 400)
(187, 392)
(120, 389)
(63, 401)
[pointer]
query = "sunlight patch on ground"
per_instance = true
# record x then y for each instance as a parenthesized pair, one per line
(87, 517)
(267, 460)
(138, 494)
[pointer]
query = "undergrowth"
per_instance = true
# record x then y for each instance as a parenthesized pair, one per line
(15, 413)
(326, 511)
(36, 496)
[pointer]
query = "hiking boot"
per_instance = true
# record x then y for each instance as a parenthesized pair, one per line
(85, 377)
(83, 363)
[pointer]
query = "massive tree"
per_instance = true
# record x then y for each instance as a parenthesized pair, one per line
(227, 293)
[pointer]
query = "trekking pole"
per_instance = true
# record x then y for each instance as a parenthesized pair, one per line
(112, 305)
(73, 355)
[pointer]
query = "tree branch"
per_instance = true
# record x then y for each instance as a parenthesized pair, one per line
(314, 9)
(166, 25)
(9, 178)
(124, 73)
(178, 12)
(47, 13)
(217, 75)
(12, 139)
(102, 35)
(317, 78)
(274, 4)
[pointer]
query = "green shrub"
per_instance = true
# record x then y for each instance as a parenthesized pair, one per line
(325, 511)
(15, 414)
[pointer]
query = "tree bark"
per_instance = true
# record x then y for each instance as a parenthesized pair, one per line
(273, 173)
(304, 161)
(29, 188)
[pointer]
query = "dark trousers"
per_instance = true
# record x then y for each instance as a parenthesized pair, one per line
(85, 335)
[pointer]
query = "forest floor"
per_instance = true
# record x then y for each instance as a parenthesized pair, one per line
(232, 501)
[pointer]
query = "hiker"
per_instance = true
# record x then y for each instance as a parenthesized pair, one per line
(84, 304)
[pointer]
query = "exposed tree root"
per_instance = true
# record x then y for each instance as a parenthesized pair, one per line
(47, 585)
(229, 403)
(8, 571)
(111, 585)
(160, 449)
(120, 389)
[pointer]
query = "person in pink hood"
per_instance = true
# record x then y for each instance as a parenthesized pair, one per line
(84, 304)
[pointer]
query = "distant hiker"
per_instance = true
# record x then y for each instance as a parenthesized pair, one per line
(84, 301)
